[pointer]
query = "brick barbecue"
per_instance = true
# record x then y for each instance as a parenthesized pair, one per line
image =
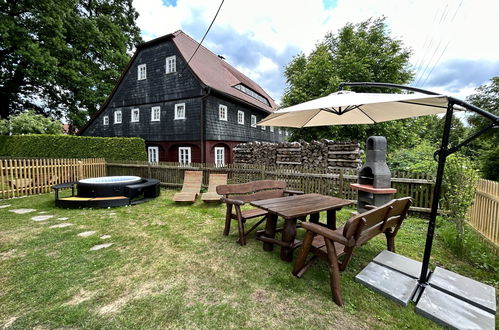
(374, 184)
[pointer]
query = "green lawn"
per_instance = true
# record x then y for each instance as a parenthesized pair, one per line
(171, 267)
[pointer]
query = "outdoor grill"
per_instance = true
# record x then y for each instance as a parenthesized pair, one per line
(374, 183)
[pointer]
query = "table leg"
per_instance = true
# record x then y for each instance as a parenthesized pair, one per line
(314, 218)
(288, 237)
(270, 227)
(331, 219)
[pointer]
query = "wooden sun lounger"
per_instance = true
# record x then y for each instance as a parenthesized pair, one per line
(215, 180)
(191, 187)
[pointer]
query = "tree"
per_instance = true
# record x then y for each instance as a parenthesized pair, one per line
(63, 57)
(359, 52)
(30, 123)
(487, 146)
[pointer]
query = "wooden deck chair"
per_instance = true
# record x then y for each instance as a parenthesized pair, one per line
(214, 181)
(330, 245)
(191, 187)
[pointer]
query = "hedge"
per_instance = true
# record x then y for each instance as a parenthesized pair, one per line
(67, 146)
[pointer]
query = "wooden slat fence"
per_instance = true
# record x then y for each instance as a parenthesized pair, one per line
(25, 176)
(323, 181)
(484, 213)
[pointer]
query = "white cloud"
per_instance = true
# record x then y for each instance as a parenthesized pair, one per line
(465, 29)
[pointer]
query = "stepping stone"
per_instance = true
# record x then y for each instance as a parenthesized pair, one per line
(42, 212)
(105, 236)
(42, 217)
(86, 233)
(4, 206)
(61, 225)
(100, 246)
(63, 218)
(404, 265)
(22, 211)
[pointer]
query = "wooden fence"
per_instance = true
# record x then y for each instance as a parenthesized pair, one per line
(484, 213)
(21, 177)
(323, 181)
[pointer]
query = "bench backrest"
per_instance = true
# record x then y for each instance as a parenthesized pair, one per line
(366, 225)
(192, 181)
(216, 180)
(253, 191)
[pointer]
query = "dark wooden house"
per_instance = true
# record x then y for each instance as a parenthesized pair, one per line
(195, 112)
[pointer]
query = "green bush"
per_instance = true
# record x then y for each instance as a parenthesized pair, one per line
(66, 146)
(414, 160)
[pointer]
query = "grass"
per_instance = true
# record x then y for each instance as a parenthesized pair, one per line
(171, 267)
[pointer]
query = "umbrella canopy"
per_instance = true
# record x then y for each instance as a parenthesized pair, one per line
(346, 108)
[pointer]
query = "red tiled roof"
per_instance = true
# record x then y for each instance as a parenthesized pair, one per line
(217, 73)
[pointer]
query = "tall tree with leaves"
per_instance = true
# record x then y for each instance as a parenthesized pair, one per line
(487, 98)
(62, 57)
(358, 52)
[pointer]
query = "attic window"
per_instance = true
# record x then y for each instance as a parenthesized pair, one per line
(171, 64)
(252, 93)
(142, 72)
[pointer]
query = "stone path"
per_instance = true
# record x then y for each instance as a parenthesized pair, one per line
(22, 211)
(100, 246)
(87, 233)
(61, 225)
(42, 217)
(4, 206)
(105, 236)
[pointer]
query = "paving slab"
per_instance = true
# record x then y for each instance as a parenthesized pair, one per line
(61, 225)
(100, 246)
(452, 312)
(390, 283)
(399, 263)
(63, 219)
(87, 233)
(4, 206)
(41, 217)
(464, 288)
(22, 211)
(105, 236)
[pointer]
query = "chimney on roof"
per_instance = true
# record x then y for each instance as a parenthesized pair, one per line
(220, 56)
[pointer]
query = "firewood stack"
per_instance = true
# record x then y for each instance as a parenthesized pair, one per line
(343, 154)
(289, 153)
(316, 154)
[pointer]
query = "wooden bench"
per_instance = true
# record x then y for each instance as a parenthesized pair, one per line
(236, 195)
(329, 244)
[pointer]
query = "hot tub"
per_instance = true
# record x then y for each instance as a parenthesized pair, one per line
(106, 186)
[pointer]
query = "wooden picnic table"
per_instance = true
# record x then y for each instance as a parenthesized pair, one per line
(291, 209)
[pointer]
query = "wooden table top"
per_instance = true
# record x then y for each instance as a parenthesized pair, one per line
(300, 205)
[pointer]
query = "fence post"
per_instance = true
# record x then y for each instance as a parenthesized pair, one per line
(80, 170)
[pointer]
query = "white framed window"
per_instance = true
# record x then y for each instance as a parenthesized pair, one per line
(117, 117)
(171, 64)
(280, 131)
(271, 128)
(219, 156)
(240, 117)
(135, 116)
(105, 120)
(253, 121)
(263, 128)
(222, 112)
(184, 155)
(155, 113)
(287, 133)
(142, 72)
(180, 111)
(153, 154)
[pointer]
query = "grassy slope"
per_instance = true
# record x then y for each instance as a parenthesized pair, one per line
(170, 266)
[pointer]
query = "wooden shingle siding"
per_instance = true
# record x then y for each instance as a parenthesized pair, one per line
(230, 130)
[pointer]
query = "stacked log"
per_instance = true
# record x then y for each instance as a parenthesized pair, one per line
(343, 154)
(316, 154)
(289, 153)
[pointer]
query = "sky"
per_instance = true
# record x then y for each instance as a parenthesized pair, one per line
(455, 43)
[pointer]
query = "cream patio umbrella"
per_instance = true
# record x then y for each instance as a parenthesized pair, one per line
(349, 108)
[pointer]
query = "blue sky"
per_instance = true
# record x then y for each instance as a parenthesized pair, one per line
(454, 42)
